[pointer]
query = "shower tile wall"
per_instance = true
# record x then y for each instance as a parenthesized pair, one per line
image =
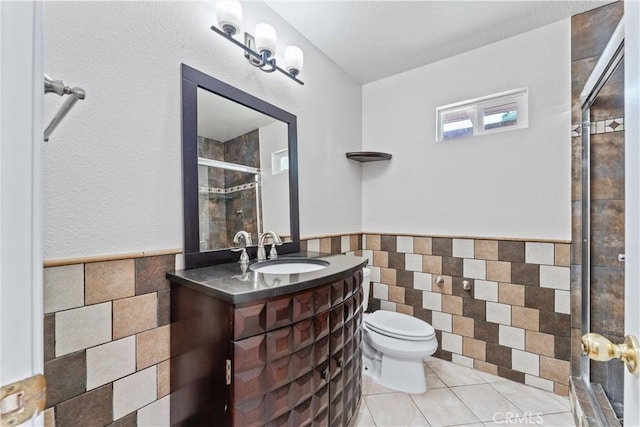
(590, 33)
(231, 204)
(212, 206)
(106, 342)
(514, 322)
(241, 211)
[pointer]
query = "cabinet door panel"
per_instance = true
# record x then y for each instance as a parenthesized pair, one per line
(349, 308)
(249, 321)
(303, 334)
(250, 353)
(321, 325)
(250, 414)
(349, 286)
(279, 373)
(302, 413)
(282, 421)
(337, 318)
(337, 292)
(279, 312)
(321, 400)
(321, 419)
(302, 361)
(279, 343)
(321, 299)
(303, 388)
(336, 404)
(303, 307)
(249, 384)
(321, 351)
(279, 403)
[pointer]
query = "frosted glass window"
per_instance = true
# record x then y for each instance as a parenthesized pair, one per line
(500, 116)
(481, 116)
(279, 161)
(458, 124)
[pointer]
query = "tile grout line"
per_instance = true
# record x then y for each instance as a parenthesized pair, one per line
(457, 397)
(514, 403)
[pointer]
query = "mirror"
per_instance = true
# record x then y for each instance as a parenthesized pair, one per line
(239, 167)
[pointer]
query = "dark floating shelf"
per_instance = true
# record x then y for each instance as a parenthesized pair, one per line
(368, 156)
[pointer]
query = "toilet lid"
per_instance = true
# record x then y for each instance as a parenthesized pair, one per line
(399, 325)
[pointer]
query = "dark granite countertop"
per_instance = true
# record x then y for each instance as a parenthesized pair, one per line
(228, 281)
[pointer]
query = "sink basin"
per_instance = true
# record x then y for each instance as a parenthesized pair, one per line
(289, 266)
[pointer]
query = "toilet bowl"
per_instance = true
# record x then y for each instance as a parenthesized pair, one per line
(394, 347)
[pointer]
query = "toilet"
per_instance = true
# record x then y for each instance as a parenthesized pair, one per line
(394, 346)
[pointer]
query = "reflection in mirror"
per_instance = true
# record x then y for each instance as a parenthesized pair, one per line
(243, 182)
(240, 170)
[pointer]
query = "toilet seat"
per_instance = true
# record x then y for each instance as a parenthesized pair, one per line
(400, 348)
(399, 326)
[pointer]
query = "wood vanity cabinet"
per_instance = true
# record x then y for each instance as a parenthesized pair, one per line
(290, 360)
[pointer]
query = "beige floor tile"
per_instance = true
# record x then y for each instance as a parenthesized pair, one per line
(490, 378)
(532, 400)
(363, 417)
(371, 387)
(485, 402)
(394, 409)
(491, 400)
(455, 375)
(441, 407)
(433, 381)
(558, 420)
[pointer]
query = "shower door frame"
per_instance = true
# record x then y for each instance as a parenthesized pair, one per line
(610, 59)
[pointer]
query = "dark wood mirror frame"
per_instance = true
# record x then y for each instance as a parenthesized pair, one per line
(193, 79)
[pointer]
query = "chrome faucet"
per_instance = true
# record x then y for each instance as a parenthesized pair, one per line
(273, 254)
(243, 239)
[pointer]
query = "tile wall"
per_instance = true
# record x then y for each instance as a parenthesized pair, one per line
(515, 320)
(106, 329)
(107, 323)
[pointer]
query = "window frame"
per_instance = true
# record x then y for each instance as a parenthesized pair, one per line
(477, 106)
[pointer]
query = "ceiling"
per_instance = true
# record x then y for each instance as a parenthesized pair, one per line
(371, 40)
(222, 120)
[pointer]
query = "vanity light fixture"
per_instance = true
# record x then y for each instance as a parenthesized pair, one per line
(260, 50)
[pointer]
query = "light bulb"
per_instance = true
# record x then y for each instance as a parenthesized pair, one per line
(266, 38)
(293, 60)
(229, 14)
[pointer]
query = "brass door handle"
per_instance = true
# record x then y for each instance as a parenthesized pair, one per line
(598, 348)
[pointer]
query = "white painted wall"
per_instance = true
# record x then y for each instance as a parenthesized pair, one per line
(511, 184)
(112, 169)
(275, 188)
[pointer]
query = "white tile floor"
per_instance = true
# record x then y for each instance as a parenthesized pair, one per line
(460, 396)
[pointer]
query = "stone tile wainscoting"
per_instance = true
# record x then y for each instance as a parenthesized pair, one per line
(515, 320)
(107, 337)
(106, 331)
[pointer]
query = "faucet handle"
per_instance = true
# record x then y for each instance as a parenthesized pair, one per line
(244, 258)
(273, 253)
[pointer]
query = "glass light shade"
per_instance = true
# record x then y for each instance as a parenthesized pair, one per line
(229, 14)
(293, 59)
(266, 38)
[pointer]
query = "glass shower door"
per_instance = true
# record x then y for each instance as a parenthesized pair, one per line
(603, 216)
